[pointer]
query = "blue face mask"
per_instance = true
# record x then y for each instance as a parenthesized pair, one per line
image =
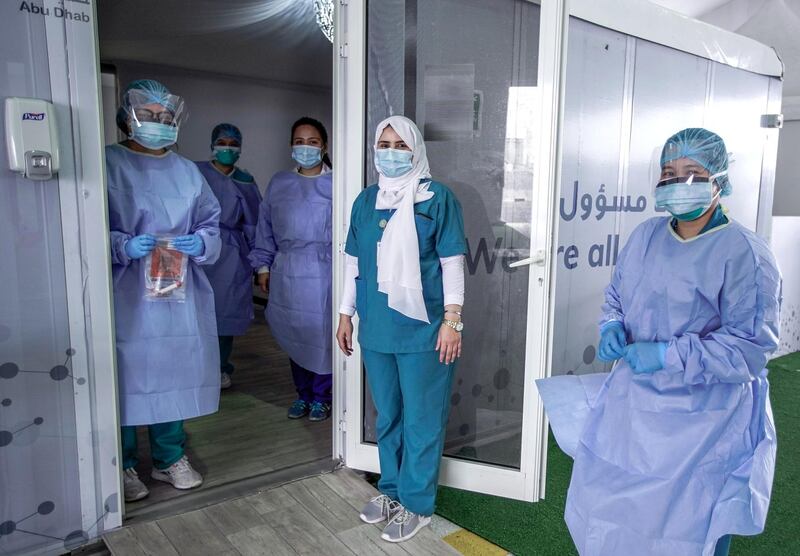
(686, 200)
(306, 156)
(393, 163)
(153, 135)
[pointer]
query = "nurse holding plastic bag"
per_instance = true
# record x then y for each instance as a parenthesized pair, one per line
(675, 448)
(163, 219)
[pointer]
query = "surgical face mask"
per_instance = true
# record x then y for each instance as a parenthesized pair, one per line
(153, 135)
(227, 155)
(686, 199)
(306, 156)
(393, 163)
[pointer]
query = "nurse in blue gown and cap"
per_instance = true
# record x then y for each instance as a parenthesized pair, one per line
(292, 256)
(231, 275)
(167, 356)
(677, 452)
(405, 277)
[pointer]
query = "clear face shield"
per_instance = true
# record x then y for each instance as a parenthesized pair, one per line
(148, 108)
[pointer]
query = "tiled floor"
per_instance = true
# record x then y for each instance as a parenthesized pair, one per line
(318, 515)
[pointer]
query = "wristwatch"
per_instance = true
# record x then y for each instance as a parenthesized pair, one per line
(458, 326)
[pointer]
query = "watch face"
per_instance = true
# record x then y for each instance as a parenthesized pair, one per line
(459, 326)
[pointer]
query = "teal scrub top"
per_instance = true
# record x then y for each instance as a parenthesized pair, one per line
(440, 231)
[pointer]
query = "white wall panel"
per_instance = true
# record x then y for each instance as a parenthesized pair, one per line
(624, 97)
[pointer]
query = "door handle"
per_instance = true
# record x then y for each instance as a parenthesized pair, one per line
(538, 258)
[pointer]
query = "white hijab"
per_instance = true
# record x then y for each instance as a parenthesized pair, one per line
(398, 252)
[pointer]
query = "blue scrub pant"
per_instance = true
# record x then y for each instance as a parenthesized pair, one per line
(225, 350)
(310, 386)
(412, 395)
(167, 441)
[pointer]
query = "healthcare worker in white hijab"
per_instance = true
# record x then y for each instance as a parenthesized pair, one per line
(405, 277)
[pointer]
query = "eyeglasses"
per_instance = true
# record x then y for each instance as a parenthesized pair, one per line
(145, 115)
(685, 179)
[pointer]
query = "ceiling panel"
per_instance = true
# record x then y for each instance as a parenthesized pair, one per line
(275, 40)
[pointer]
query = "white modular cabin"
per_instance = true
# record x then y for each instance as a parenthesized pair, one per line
(545, 118)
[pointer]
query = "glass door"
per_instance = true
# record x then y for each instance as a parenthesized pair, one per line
(59, 480)
(480, 79)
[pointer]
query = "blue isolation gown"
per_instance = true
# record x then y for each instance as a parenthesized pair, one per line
(294, 239)
(669, 462)
(167, 353)
(231, 275)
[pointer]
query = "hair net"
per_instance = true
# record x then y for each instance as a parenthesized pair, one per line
(226, 131)
(704, 147)
(154, 91)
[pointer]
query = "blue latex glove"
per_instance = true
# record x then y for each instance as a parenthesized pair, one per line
(646, 357)
(191, 245)
(139, 246)
(612, 341)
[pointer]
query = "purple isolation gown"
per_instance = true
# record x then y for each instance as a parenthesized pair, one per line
(294, 239)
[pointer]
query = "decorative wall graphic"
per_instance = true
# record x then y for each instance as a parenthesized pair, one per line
(19, 436)
(10, 370)
(790, 329)
(72, 540)
(7, 437)
(785, 231)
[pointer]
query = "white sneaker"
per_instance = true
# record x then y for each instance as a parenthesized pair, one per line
(180, 474)
(133, 487)
(225, 381)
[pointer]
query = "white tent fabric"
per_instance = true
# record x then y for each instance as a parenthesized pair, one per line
(775, 23)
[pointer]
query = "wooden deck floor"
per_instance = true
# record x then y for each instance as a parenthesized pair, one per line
(318, 515)
(250, 436)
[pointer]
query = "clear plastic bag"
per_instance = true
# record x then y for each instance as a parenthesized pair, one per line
(165, 272)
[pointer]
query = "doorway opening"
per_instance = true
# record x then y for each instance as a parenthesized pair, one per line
(260, 67)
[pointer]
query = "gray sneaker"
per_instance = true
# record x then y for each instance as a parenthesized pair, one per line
(225, 381)
(379, 509)
(404, 525)
(133, 486)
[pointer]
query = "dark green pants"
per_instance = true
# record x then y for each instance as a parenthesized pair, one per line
(167, 441)
(225, 350)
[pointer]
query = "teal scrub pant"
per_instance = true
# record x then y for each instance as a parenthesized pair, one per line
(225, 350)
(723, 546)
(167, 441)
(412, 395)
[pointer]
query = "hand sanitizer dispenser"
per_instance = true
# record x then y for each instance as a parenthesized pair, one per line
(32, 138)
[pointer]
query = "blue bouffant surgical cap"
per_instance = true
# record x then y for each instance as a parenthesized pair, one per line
(704, 147)
(154, 92)
(149, 91)
(226, 131)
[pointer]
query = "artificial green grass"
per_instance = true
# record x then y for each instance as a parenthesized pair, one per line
(539, 529)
